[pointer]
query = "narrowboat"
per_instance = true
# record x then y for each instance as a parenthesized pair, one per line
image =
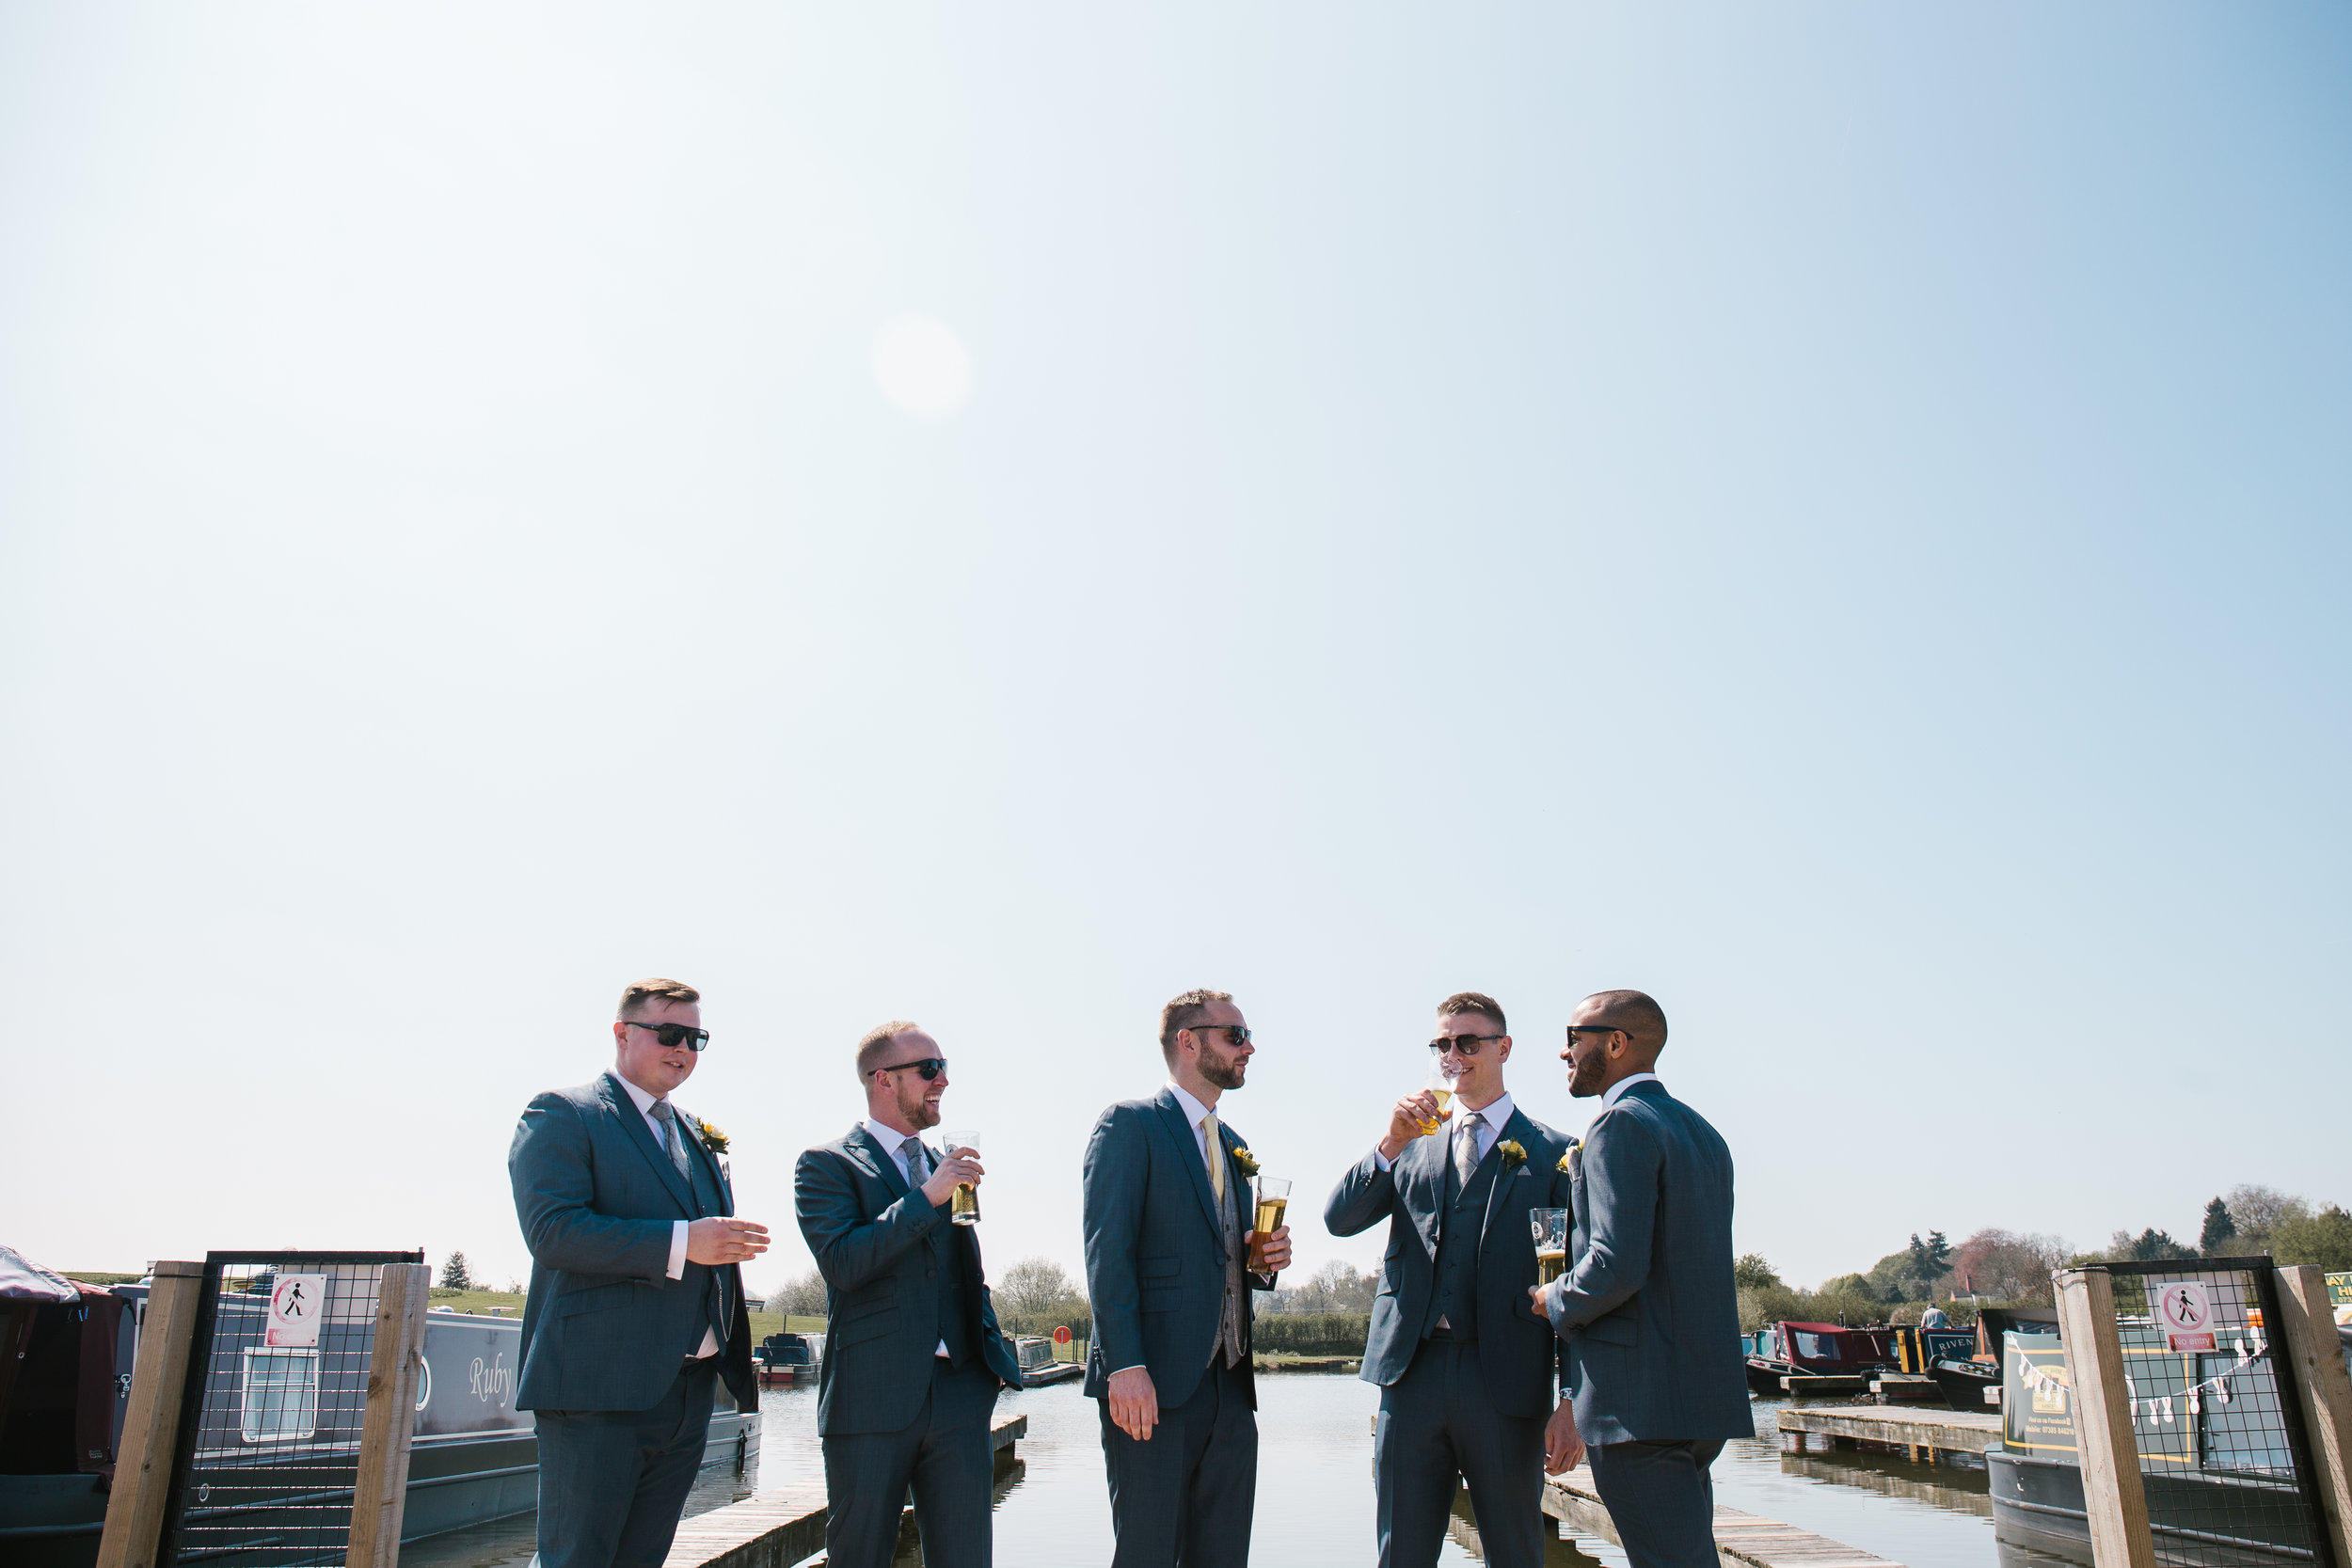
(789, 1358)
(1818, 1359)
(1037, 1365)
(64, 1385)
(1916, 1350)
(1970, 1378)
(2221, 1490)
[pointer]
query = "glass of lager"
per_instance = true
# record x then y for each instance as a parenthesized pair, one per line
(1552, 1243)
(964, 1208)
(1440, 1086)
(1274, 1195)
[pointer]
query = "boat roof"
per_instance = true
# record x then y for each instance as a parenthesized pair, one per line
(1824, 1328)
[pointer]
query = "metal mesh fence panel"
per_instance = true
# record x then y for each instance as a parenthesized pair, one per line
(2230, 1478)
(268, 1454)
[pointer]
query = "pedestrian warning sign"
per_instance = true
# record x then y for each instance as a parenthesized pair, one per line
(2184, 1308)
(296, 1302)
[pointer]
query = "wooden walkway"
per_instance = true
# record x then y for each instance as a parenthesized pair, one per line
(776, 1528)
(1922, 1434)
(1741, 1540)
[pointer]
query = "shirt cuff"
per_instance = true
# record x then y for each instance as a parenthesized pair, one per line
(677, 1249)
(1137, 1367)
(1382, 1161)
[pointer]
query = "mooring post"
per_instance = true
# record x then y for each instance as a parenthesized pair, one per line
(151, 1424)
(390, 1420)
(2113, 1493)
(2315, 1354)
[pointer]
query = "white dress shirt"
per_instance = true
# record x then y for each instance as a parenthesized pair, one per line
(896, 1140)
(644, 1103)
(1616, 1090)
(1491, 1117)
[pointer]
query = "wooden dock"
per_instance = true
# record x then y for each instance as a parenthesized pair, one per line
(1741, 1540)
(1921, 1434)
(786, 1524)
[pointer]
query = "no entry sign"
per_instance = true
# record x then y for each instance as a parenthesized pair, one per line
(1062, 1334)
(2185, 1309)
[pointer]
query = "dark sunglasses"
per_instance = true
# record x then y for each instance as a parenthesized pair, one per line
(930, 1067)
(673, 1035)
(1466, 1044)
(1240, 1032)
(1576, 1029)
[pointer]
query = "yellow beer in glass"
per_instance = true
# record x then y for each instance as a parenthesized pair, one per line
(1274, 1195)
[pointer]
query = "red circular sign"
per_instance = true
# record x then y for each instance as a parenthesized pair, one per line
(1062, 1334)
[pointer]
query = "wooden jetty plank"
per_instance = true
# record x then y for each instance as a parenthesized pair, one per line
(782, 1524)
(2317, 1358)
(1968, 1432)
(2114, 1494)
(1741, 1540)
(150, 1430)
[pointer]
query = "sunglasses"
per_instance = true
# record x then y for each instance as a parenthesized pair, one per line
(1466, 1044)
(672, 1035)
(930, 1067)
(1239, 1032)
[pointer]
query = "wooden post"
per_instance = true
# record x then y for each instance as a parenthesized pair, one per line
(2113, 1492)
(390, 1422)
(2316, 1361)
(151, 1425)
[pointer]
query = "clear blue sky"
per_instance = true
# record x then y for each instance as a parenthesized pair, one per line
(1834, 514)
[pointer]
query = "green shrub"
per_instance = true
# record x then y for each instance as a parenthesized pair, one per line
(1311, 1333)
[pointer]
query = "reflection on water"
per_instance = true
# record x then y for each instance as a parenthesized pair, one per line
(1314, 1490)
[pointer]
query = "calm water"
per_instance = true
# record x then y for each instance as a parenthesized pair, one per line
(1314, 1490)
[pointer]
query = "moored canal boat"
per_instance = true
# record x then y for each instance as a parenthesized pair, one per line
(1818, 1359)
(72, 1349)
(1037, 1365)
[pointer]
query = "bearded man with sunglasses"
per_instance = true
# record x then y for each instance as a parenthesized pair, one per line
(913, 1357)
(1168, 1217)
(636, 1306)
(1464, 1361)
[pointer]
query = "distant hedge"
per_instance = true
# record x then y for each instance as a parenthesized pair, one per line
(1311, 1333)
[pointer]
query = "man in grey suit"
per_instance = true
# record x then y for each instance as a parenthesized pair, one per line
(636, 1305)
(1647, 1308)
(1463, 1358)
(913, 1357)
(1167, 1220)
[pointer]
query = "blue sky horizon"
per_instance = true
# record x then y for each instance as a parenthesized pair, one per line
(1833, 516)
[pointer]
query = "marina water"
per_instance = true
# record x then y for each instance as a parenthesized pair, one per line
(1314, 1489)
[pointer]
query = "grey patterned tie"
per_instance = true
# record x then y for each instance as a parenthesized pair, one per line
(912, 1151)
(1466, 1150)
(666, 1113)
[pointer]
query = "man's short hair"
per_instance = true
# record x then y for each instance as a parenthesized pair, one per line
(1474, 1001)
(1643, 1019)
(1188, 1011)
(633, 1000)
(876, 1045)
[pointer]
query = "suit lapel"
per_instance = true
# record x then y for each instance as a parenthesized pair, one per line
(1423, 1168)
(878, 1161)
(633, 1126)
(1515, 1130)
(1186, 1138)
(690, 1128)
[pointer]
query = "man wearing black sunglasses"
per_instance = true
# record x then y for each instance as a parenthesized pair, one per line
(1464, 1361)
(1168, 1217)
(914, 1357)
(636, 1306)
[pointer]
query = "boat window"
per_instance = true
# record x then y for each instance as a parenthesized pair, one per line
(279, 1392)
(1814, 1347)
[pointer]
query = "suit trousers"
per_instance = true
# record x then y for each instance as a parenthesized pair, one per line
(1661, 1497)
(944, 1455)
(1185, 1498)
(1438, 1428)
(612, 1482)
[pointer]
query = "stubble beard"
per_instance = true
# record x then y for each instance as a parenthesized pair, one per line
(1225, 1072)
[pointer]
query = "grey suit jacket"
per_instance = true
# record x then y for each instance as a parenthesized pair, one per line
(605, 1327)
(1647, 1308)
(872, 1238)
(1156, 1250)
(1516, 1349)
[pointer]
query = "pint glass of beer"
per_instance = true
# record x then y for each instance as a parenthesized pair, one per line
(1440, 1086)
(1274, 1195)
(1552, 1243)
(964, 1208)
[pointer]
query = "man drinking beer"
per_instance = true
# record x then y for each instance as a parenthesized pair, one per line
(1464, 1361)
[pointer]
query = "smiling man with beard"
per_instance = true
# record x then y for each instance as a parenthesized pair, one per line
(1168, 1216)
(913, 1357)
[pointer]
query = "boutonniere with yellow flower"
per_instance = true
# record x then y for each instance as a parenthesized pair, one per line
(713, 1138)
(1513, 1155)
(1567, 1161)
(1247, 1161)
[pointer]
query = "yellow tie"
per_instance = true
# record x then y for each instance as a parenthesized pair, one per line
(1215, 1151)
